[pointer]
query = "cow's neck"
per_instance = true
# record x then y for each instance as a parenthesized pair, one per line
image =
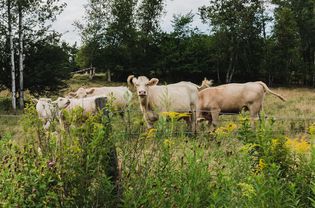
(145, 104)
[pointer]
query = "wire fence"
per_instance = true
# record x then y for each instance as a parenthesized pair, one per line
(301, 117)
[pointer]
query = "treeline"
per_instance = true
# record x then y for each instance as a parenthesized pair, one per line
(32, 57)
(247, 41)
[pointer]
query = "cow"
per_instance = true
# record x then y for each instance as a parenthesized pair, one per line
(46, 110)
(89, 104)
(180, 97)
(120, 97)
(232, 98)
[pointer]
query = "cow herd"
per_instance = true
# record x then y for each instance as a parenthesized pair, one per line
(202, 102)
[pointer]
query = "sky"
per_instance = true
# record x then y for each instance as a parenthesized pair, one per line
(75, 10)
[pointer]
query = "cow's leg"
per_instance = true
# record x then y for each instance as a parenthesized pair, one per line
(147, 121)
(188, 121)
(215, 117)
(193, 118)
(254, 110)
(150, 117)
(208, 117)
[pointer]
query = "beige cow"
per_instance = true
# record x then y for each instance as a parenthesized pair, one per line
(232, 98)
(181, 98)
(119, 96)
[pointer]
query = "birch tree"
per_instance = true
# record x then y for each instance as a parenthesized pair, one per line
(10, 32)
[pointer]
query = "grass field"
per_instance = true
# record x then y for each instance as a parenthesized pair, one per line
(294, 115)
(271, 165)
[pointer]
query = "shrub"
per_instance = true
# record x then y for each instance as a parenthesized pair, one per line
(70, 167)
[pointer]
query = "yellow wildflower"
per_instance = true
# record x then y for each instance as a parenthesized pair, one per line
(274, 144)
(298, 146)
(168, 143)
(151, 133)
(311, 129)
(231, 127)
(225, 130)
(247, 190)
(175, 115)
(261, 165)
(249, 147)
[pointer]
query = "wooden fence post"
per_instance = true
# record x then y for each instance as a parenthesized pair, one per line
(114, 170)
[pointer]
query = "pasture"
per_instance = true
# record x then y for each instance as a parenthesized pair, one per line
(271, 165)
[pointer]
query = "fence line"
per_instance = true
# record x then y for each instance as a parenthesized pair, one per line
(228, 114)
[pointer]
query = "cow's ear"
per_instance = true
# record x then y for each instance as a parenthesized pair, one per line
(34, 100)
(130, 80)
(90, 91)
(153, 81)
(72, 94)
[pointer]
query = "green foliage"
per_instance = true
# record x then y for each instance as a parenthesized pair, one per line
(71, 167)
(47, 66)
(241, 167)
(237, 165)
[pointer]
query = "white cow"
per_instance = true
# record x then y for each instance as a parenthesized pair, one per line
(46, 110)
(182, 97)
(89, 104)
(120, 97)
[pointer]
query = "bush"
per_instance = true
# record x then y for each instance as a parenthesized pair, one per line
(70, 167)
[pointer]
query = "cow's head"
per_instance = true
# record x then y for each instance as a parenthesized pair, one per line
(62, 102)
(80, 93)
(142, 84)
(205, 84)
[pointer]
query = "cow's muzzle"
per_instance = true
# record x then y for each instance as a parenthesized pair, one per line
(142, 93)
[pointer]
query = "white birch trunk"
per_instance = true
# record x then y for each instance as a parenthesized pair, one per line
(109, 78)
(21, 92)
(12, 55)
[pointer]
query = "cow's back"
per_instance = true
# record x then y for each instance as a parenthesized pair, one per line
(173, 97)
(119, 96)
(231, 97)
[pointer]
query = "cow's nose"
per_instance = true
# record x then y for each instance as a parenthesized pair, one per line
(142, 92)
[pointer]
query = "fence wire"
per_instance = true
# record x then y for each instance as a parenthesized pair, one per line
(202, 111)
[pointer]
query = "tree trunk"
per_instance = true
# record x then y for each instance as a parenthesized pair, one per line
(218, 73)
(109, 78)
(12, 55)
(231, 68)
(21, 92)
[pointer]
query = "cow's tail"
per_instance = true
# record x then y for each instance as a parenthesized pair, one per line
(266, 88)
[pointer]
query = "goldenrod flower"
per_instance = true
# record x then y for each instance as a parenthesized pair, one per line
(311, 129)
(261, 164)
(225, 130)
(247, 190)
(274, 144)
(231, 127)
(298, 146)
(168, 143)
(175, 115)
(151, 133)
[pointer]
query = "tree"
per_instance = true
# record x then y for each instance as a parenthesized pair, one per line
(10, 32)
(285, 56)
(239, 23)
(29, 20)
